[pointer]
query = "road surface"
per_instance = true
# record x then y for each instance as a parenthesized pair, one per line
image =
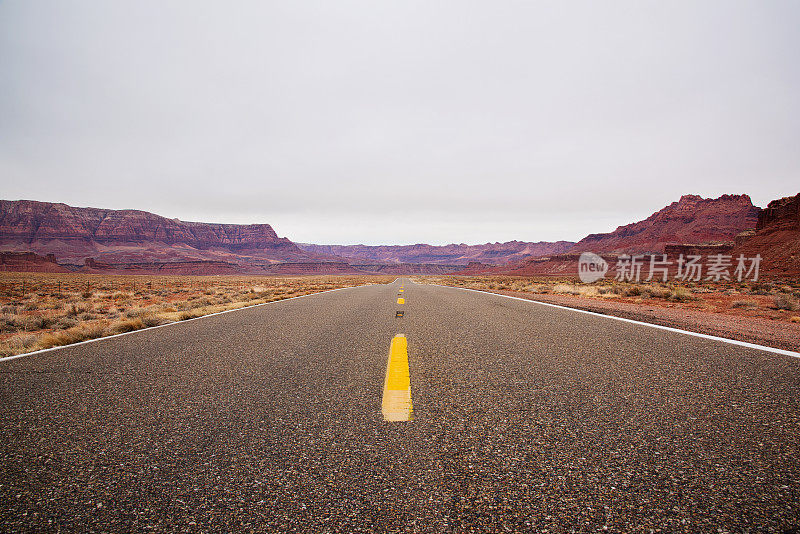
(525, 418)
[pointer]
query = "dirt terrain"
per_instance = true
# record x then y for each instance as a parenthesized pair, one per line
(766, 313)
(43, 310)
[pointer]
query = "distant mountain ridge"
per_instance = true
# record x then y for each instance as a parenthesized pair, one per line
(43, 236)
(452, 254)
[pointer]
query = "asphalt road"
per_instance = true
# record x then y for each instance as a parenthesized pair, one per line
(526, 418)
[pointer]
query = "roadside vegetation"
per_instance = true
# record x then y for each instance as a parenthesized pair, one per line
(768, 299)
(40, 311)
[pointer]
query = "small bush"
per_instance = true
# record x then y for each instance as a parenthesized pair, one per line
(633, 291)
(125, 326)
(659, 292)
(76, 309)
(9, 322)
(188, 315)
(784, 302)
(65, 322)
(744, 304)
(22, 342)
(795, 319)
(680, 294)
(31, 323)
(152, 320)
(566, 289)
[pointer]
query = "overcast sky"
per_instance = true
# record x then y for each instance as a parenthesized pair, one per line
(399, 122)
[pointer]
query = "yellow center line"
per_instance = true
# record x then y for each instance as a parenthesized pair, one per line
(401, 301)
(397, 387)
(401, 290)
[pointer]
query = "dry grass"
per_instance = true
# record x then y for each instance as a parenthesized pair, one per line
(39, 311)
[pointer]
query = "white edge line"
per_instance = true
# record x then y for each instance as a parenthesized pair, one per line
(651, 325)
(24, 354)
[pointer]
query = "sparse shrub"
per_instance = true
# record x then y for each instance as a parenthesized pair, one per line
(659, 292)
(86, 295)
(124, 326)
(188, 315)
(65, 322)
(22, 342)
(152, 320)
(795, 319)
(680, 294)
(31, 323)
(784, 302)
(566, 289)
(76, 309)
(744, 304)
(633, 291)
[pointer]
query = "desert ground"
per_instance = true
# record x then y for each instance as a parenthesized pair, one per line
(43, 310)
(763, 312)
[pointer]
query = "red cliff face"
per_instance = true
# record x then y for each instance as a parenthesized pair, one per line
(29, 262)
(129, 235)
(454, 254)
(777, 238)
(691, 220)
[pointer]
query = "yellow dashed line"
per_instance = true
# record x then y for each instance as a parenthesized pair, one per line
(401, 301)
(397, 387)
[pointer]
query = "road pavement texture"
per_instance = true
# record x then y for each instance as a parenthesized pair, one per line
(525, 418)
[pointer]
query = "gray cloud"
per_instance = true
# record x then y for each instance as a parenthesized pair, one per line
(399, 121)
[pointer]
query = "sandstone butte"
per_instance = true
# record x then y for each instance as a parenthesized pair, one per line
(130, 236)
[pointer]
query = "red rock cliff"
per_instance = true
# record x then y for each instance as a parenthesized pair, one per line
(73, 233)
(691, 220)
(777, 238)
